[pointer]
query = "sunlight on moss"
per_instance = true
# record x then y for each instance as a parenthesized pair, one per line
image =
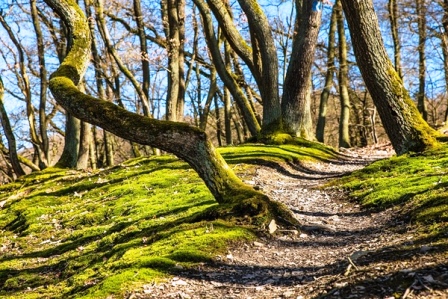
(417, 181)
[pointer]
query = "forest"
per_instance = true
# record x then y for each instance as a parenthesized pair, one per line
(223, 149)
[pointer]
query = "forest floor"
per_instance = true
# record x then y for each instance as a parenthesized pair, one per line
(342, 251)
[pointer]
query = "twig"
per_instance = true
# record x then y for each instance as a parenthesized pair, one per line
(423, 285)
(409, 290)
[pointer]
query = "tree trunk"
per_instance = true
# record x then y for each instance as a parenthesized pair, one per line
(421, 23)
(99, 6)
(297, 81)
(43, 76)
(176, 80)
(143, 48)
(320, 128)
(264, 47)
(403, 123)
(69, 156)
(226, 77)
(444, 39)
(12, 147)
(344, 133)
(26, 89)
(188, 143)
(392, 7)
(85, 141)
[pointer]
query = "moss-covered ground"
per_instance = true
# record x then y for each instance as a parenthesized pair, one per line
(99, 234)
(416, 185)
(74, 234)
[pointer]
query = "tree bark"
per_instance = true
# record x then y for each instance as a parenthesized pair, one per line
(188, 143)
(297, 81)
(392, 7)
(320, 127)
(176, 81)
(344, 133)
(146, 78)
(421, 24)
(403, 123)
(265, 48)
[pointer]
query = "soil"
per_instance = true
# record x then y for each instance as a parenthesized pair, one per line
(342, 250)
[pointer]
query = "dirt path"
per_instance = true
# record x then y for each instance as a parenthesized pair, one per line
(343, 252)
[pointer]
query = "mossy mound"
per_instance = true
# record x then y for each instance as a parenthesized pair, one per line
(92, 234)
(416, 184)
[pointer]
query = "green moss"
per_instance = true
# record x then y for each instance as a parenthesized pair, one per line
(416, 182)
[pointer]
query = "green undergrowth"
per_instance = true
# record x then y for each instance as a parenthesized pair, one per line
(415, 184)
(296, 150)
(98, 234)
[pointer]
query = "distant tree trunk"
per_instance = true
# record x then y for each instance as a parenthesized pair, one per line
(228, 116)
(229, 80)
(26, 90)
(392, 8)
(203, 117)
(84, 146)
(320, 128)
(69, 156)
(404, 125)
(43, 76)
(176, 81)
(143, 49)
(185, 141)
(264, 52)
(444, 39)
(344, 132)
(7, 129)
(421, 22)
(99, 6)
(297, 81)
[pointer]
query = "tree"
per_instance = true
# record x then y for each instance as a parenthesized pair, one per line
(188, 143)
(402, 121)
(12, 147)
(422, 35)
(344, 134)
(329, 75)
(296, 116)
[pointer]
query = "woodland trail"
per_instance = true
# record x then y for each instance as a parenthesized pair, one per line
(341, 252)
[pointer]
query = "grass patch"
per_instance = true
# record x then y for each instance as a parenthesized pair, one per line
(418, 184)
(93, 234)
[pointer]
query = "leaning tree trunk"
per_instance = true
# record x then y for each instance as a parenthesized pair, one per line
(187, 142)
(297, 81)
(402, 121)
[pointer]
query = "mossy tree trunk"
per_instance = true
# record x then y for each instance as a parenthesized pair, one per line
(187, 142)
(400, 117)
(297, 80)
